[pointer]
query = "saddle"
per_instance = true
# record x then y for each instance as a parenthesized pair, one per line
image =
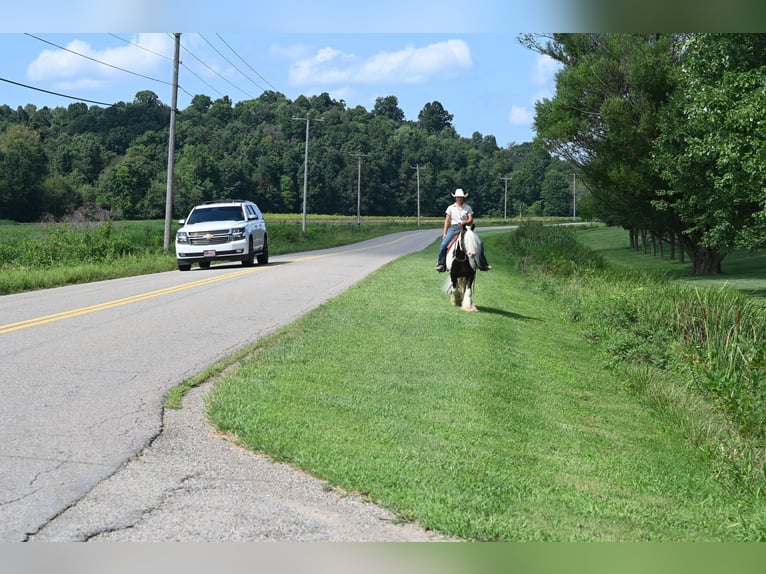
(456, 237)
(452, 242)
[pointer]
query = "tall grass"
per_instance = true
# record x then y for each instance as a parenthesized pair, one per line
(39, 256)
(687, 349)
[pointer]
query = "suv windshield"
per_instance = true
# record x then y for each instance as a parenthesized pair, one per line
(227, 213)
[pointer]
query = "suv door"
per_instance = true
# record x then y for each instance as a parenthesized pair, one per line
(258, 229)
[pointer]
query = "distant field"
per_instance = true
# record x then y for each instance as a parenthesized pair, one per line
(743, 271)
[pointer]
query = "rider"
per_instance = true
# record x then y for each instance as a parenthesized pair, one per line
(458, 215)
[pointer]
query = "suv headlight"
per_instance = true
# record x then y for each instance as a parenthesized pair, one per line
(182, 237)
(237, 233)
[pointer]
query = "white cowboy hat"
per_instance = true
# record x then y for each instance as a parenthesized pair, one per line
(459, 193)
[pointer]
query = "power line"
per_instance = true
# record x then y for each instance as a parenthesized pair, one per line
(55, 93)
(144, 48)
(214, 71)
(248, 65)
(98, 61)
(136, 45)
(230, 63)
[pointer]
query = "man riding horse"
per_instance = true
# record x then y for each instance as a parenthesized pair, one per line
(458, 215)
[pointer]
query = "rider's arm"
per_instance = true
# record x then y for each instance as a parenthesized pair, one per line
(468, 221)
(447, 221)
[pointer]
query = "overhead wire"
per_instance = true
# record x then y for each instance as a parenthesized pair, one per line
(136, 45)
(214, 71)
(230, 62)
(98, 61)
(55, 93)
(248, 65)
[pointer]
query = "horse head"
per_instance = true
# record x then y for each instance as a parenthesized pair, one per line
(469, 243)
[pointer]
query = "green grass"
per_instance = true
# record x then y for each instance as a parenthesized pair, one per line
(516, 430)
(41, 256)
(742, 270)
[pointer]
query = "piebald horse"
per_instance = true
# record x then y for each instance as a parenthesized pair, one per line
(462, 262)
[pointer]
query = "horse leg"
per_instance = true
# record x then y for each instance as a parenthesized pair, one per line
(468, 296)
(455, 291)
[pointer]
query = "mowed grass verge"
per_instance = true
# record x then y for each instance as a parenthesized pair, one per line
(497, 425)
(742, 270)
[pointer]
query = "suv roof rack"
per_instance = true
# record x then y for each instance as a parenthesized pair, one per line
(225, 201)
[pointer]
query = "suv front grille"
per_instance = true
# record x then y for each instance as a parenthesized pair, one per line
(209, 237)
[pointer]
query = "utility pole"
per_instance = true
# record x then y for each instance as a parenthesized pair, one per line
(505, 202)
(307, 119)
(359, 156)
(416, 167)
(171, 147)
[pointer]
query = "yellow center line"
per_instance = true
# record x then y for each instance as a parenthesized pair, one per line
(158, 293)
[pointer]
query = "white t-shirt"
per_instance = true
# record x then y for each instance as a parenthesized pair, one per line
(458, 214)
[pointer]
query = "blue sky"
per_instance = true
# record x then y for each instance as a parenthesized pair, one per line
(467, 58)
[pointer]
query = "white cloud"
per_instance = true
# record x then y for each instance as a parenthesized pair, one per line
(81, 65)
(409, 65)
(544, 70)
(519, 116)
(543, 74)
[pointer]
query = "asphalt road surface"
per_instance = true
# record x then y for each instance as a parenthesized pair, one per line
(88, 452)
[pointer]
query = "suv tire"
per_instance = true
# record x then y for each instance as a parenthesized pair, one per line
(249, 259)
(263, 256)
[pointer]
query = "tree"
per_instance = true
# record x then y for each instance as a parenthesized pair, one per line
(389, 108)
(434, 118)
(711, 151)
(23, 167)
(604, 120)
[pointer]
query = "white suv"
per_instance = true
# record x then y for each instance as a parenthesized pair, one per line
(229, 230)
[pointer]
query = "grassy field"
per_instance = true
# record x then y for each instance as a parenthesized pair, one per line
(743, 271)
(517, 430)
(41, 256)
(45, 255)
(560, 411)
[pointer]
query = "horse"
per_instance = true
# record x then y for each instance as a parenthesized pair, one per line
(462, 262)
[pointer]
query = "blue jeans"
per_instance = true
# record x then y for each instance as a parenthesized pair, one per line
(451, 231)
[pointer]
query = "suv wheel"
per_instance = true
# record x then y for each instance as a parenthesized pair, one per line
(249, 259)
(263, 256)
(183, 267)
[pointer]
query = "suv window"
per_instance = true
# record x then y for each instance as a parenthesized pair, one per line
(226, 213)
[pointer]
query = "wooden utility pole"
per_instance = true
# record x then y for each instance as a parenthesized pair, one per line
(171, 147)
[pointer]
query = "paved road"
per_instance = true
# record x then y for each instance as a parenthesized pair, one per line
(87, 452)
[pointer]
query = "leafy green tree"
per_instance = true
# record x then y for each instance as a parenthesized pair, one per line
(434, 118)
(604, 119)
(124, 187)
(556, 190)
(23, 167)
(711, 151)
(389, 108)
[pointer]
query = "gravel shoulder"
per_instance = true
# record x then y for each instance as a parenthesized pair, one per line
(192, 485)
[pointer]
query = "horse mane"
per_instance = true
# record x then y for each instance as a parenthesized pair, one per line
(471, 242)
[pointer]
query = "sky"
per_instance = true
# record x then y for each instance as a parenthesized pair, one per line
(465, 55)
(488, 82)
(468, 59)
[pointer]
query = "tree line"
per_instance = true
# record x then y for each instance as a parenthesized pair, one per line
(55, 161)
(668, 133)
